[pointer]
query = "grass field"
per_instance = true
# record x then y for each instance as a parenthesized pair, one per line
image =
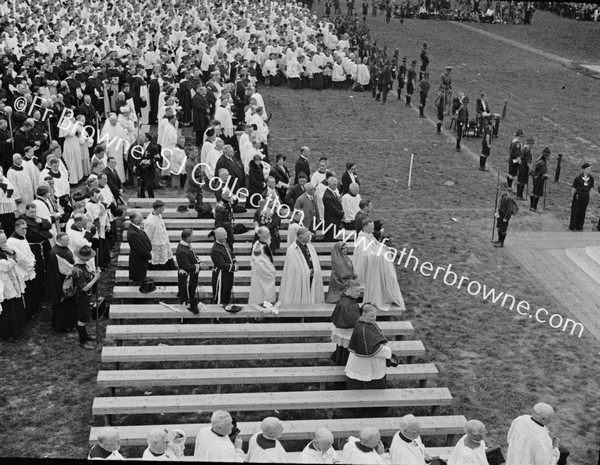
(496, 364)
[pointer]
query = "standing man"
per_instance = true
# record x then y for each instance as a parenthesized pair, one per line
(349, 177)
(224, 215)
(201, 113)
(540, 174)
(529, 440)
(189, 267)
(411, 77)
(224, 265)
(423, 91)
(486, 142)
(506, 208)
(193, 180)
(514, 157)
(424, 62)
(140, 248)
(462, 120)
(580, 191)
(155, 229)
(440, 105)
(302, 165)
(401, 76)
(307, 204)
(333, 212)
(34, 285)
(524, 167)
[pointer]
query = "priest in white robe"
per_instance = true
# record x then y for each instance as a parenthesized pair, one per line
(117, 143)
(81, 233)
(46, 211)
(169, 142)
(367, 450)
(529, 441)
(155, 229)
(376, 271)
(213, 443)
(320, 449)
(470, 449)
(407, 447)
(61, 181)
(265, 447)
(302, 279)
(21, 179)
(262, 277)
(127, 121)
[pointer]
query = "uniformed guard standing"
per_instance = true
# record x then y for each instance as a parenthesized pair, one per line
(401, 77)
(486, 142)
(514, 157)
(189, 267)
(540, 174)
(506, 208)
(423, 92)
(523, 172)
(411, 77)
(581, 197)
(424, 61)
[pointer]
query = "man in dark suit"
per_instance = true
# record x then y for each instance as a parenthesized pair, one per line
(146, 165)
(302, 165)
(88, 111)
(307, 204)
(138, 92)
(114, 182)
(348, 178)
(224, 265)
(234, 167)
(189, 267)
(140, 248)
(482, 110)
(295, 191)
(201, 109)
(154, 94)
(333, 210)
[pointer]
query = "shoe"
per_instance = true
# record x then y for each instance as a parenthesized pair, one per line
(91, 338)
(86, 346)
(498, 244)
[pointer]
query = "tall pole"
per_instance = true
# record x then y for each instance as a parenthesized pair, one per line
(412, 156)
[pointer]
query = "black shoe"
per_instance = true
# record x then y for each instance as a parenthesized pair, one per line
(498, 244)
(86, 346)
(91, 338)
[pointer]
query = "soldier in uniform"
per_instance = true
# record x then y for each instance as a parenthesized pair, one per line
(446, 85)
(523, 173)
(486, 142)
(514, 158)
(411, 77)
(424, 62)
(224, 216)
(462, 120)
(582, 185)
(506, 208)
(440, 105)
(401, 77)
(423, 91)
(189, 267)
(540, 174)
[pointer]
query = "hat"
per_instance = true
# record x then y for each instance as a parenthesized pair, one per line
(85, 253)
(147, 286)
(546, 151)
(279, 157)
(448, 68)
(425, 45)
(232, 308)
(519, 133)
(182, 209)
(585, 165)
(404, 59)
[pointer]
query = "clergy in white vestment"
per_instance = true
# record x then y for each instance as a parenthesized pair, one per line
(212, 157)
(21, 180)
(155, 229)
(169, 142)
(259, 100)
(376, 271)
(81, 232)
(470, 449)
(127, 121)
(367, 450)
(529, 441)
(351, 206)
(262, 277)
(30, 164)
(302, 280)
(72, 130)
(223, 115)
(207, 145)
(157, 446)
(265, 447)
(25, 257)
(117, 143)
(406, 447)
(175, 440)
(45, 211)
(107, 447)
(213, 443)
(320, 449)
(61, 182)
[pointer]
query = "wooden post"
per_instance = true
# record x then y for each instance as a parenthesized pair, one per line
(107, 420)
(435, 409)
(412, 156)
(423, 383)
(504, 110)
(557, 173)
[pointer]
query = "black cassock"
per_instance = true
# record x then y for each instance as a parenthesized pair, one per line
(185, 100)
(64, 314)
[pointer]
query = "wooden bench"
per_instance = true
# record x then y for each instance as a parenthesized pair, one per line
(204, 277)
(322, 248)
(201, 353)
(202, 235)
(243, 261)
(180, 222)
(261, 375)
(120, 293)
(302, 430)
(157, 311)
(269, 401)
(390, 329)
(193, 214)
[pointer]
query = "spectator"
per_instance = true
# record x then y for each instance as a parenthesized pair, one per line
(213, 443)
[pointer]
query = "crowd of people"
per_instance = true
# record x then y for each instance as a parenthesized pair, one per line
(572, 10)
(529, 441)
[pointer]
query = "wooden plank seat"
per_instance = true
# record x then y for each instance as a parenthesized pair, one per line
(228, 352)
(269, 401)
(202, 235)
(391, 329)
(173, 213)
(239, 293)
(243, 261)
(157, 311)
(300, 430)
(239, 248)
(175, 222)
(204, 277)
(262, 375)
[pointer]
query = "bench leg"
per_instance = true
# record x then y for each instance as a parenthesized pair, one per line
(451, 440)
(117, 365)
(330, 414)
(399, 338)
(410, 359)
(322, 386)
(112, 391)
(107, 420)
(218, 389)
(435, 410)
(423, 383)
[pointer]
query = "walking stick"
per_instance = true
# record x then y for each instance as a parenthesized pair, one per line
(545, 195)
(495, 204)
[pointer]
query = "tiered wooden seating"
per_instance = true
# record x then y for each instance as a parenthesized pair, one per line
(204, 277)
(243, 261)
(322, 248)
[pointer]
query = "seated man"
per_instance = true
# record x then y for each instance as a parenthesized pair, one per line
(214, 444)
(265, 447)
(406, 445)
(320, 449)
(157, 446)
(367, 449)
(471, 447)
(107, 447)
